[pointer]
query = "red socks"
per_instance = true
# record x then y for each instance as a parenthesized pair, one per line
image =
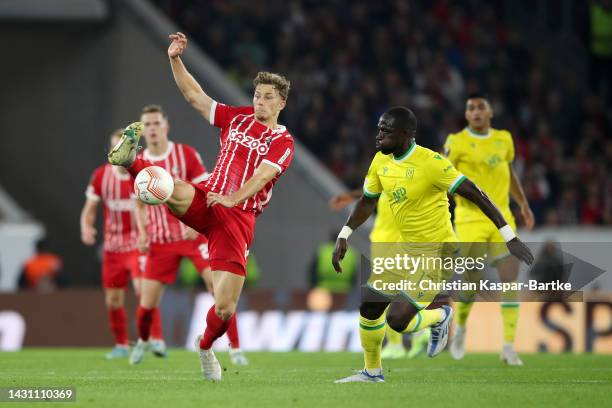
(118, 324)
(157, 331)
(215, 327)
(144, 318)
(232, 332)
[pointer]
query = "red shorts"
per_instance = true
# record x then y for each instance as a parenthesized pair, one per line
(163, 260)
(229, 231)
(117, 267)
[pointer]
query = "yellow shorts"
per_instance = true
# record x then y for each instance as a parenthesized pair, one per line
(483, 232)
(411, 270)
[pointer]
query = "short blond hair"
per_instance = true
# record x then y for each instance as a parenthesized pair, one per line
(280, 83)
(154, 109)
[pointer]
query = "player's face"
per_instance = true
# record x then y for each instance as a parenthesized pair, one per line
(267, 102)
(388, 139)
(155, 127)
(113, 141)
(478, 113)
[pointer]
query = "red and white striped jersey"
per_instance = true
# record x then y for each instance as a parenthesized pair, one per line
(116, 191)
(182, 162)
(245, 144)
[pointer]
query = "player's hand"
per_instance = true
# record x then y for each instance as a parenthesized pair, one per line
(527, 216)
(214, 198)
(144, 242)
(520, 250)
(178, 44)
(190, 234)
(339, 252)
(340, 201)
(88, 235)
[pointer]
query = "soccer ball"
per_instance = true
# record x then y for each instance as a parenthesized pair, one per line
(153, 185)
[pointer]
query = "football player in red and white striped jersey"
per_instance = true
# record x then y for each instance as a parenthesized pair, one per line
(168, 240)
(113, 187)
(255, 151)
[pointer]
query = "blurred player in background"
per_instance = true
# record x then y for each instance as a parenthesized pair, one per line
(385, 230)
(255, 151)
(167, 239)
(485, 156)
(416, 181)
(114, 187)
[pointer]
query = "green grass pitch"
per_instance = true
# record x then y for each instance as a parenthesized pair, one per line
(306, 379)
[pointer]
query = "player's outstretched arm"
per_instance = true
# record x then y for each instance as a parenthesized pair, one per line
(190, 88)
(469, 190)
(262, 176)
(516, 190)
(338, 202)
(361, 212)
(88, 220)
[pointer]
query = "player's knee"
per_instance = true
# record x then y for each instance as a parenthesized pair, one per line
(397, 322)
(371, 310)
(225, 309)
(114, 300)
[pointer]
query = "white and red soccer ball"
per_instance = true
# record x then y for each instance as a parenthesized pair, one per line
(153, 185)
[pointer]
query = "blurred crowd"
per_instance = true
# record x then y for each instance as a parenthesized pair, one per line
(348, 61)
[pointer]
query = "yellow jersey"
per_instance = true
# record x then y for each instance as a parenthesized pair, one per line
(484, 159)
(385, 229)
(416, 187)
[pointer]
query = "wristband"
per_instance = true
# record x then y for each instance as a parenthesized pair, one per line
(345, 232)
(507, 233)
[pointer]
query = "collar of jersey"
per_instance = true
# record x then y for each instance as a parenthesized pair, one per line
(120, 176)
(147, 154)
(474, 133)
(407, 154)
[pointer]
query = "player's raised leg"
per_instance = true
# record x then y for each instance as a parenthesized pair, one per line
(407, 318)
(124, 152)
(508, 269)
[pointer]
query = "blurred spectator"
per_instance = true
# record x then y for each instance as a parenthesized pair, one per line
(42, 272)
(601, 47)
(323, 275)
(350, 60)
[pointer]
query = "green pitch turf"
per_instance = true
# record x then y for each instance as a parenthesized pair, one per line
(306, 379)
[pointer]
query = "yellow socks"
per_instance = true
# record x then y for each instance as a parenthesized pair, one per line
(424, 318)
(372, 333)
(463, 311)
(510, 313)
(393, 337)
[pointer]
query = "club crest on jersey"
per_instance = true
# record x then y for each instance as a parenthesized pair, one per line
(398, 195)
(494, 161)
(250, 142)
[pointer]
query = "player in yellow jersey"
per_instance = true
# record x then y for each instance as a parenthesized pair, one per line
(385, 230)
(416, 181)
(485, 155)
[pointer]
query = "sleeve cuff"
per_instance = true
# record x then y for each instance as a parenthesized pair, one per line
(276, 166)
(460, 179)
(370, 194)
(211, 115)
(92, 196)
